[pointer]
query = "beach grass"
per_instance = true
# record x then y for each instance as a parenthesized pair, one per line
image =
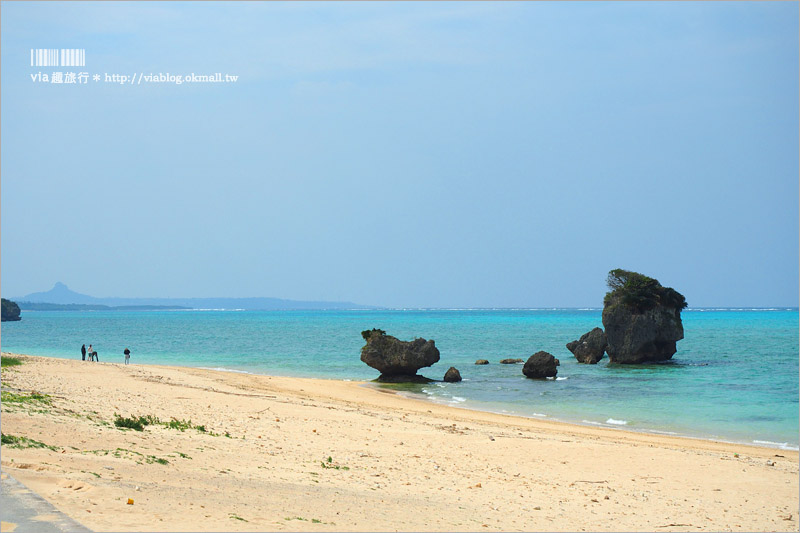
(33, 397)
(12, 441)
(328, 463)
(138, 423)
(6, 361)
(135, 423)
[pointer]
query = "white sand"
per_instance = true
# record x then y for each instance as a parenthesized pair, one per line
(395, 463)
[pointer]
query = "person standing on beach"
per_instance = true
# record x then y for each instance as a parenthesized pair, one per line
(92, 353)
(83, 353)
(127, 353)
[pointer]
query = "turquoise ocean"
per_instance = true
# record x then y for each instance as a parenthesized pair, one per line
(734, 377)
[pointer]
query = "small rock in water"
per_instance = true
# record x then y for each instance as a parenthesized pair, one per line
(589, 349)
(452, 375)
(540, 365)
(481, 362)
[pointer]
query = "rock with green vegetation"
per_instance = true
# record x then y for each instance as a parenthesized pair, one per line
(9, 311)
(589, 349)
(642, 319)
(397, 361)
(540, 365)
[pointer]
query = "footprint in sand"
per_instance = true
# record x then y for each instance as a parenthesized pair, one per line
(78, 486)
(28, 466)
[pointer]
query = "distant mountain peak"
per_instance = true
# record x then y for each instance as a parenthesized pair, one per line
(59, 294)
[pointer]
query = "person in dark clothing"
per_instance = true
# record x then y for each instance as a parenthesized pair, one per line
(127, 353)
(83, 353)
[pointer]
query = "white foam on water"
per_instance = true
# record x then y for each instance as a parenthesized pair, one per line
(458, 399)
(209, 309)
(561, 379)
(781, 445)
(221, 369)
(610, 421)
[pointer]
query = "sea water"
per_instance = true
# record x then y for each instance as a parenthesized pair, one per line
(734, 377)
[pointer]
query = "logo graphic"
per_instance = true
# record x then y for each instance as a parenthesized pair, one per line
(58, 57)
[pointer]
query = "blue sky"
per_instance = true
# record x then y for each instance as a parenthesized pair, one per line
(405, 154)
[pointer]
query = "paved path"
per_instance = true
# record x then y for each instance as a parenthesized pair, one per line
(24, 511)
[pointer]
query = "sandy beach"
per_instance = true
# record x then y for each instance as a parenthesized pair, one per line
(286, 454)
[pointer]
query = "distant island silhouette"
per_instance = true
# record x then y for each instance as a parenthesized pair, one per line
(60, 297)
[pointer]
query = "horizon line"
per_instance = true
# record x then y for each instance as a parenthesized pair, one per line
(422, 308)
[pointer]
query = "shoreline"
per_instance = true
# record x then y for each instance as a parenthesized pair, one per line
(771, 445)
(767, 445)
(281, 453)
(703, 392)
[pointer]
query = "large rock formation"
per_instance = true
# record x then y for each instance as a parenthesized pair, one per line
(9, 311)
(590, 347)
(452, 375)
(642, 319)
(397, 360)
(540, 365)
